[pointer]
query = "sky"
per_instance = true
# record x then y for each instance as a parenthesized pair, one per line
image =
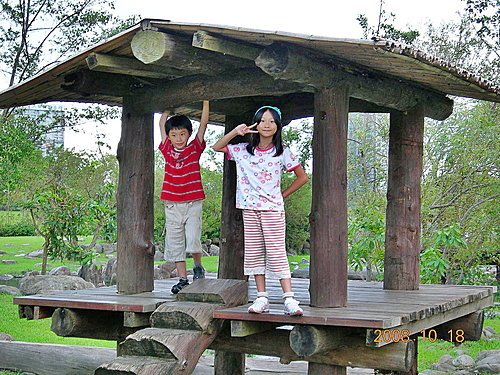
(313, 17)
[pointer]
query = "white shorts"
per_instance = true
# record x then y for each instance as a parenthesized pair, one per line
(182, 229)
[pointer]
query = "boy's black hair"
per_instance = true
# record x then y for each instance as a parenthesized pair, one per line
(178, 122)
(255, 138)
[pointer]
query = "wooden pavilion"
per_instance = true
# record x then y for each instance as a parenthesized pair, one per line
(157, 65)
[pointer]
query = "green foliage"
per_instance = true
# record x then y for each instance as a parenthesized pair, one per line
(211, 216)
(385, 28)
(38, 33)
(297, 208)
(17, 229)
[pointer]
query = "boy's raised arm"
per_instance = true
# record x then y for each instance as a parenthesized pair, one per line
(163, 120)
(203, 121)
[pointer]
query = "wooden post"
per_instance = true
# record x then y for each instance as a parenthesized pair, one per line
(135, 250)
(329, 201)
(402, 236)
(402, 233)
(231, 253)
(328, 218)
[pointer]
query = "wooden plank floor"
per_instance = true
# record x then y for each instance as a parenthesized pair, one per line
(369, 306)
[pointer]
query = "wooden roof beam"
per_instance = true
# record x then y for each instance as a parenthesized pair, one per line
(155, 47)
(125, 65)
(286, 63)
(156, 96)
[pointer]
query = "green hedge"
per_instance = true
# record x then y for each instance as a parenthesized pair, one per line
(16, 229)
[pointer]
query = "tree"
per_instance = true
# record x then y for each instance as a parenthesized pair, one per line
(36, 34)
(385, 28)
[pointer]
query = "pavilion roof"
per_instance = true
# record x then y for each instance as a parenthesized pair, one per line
(377, 57)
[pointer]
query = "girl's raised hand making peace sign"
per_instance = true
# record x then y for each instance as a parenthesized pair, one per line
(243, 129)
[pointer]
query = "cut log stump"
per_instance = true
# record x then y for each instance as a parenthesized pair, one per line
(180, 332)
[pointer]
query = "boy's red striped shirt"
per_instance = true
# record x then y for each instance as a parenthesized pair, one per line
(182, 178)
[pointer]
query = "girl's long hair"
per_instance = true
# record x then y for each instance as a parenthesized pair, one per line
(255, 138)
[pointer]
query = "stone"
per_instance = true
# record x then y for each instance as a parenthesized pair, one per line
(47, 283)
(214, 250)
(61, 270)
(487, 353)
(446, 359)
(5, 337)
(92, 274)
(463, 360)
(6, 289)
(110, 272)
(5, 277)
(8, 261)
(432, 372)
(35, 254)
(445, 367)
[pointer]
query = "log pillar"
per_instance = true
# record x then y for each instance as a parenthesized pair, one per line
(135, 250)
(230, 253)
(328, 271)
(402, 235)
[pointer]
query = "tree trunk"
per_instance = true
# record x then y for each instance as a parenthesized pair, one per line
(329, 202)
(402, 238)
(135, 250)
(231, 252)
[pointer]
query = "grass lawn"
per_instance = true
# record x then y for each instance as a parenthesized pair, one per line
(39, 330)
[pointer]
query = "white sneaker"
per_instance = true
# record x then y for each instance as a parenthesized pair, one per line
(259, 306)
(292, 307)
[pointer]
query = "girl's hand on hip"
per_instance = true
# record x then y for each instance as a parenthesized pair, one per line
(243, 129)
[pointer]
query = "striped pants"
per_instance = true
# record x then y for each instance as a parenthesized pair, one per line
(265, 252)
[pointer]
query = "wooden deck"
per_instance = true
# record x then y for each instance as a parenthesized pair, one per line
(369, 306)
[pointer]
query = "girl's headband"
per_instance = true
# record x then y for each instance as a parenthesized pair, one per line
(271, 107)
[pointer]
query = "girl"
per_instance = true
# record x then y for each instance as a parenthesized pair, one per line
(259, 165)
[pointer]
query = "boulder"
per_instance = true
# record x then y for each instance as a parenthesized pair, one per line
(60, 271)
(48, 283)
(9, 290)
(35, 254)
(110, 272)
(92, 274)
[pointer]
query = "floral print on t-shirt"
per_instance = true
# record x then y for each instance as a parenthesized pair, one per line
(259, 176)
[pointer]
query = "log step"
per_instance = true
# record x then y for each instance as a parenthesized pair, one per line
(138, 366)
(186, 316)
(175, 345)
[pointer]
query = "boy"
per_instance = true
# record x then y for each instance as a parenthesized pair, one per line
(182, 192)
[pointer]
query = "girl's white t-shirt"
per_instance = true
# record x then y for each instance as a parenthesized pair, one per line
(259, 176)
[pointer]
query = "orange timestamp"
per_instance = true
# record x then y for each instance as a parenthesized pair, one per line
(403, 335)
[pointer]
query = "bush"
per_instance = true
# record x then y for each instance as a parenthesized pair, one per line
(16, 229)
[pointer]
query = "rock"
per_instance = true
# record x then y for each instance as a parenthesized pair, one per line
(208, 242)
(445, 367)
(459, 352)
(487, 353)
(60, 271)
(47, 283)
(5, 337)
(214, 250)
(432, 372)
(39, 265)
(166, 270)
(6, 277)
(446, 359)
(463, 361)
(110, 272)
(5, 289)
(301, 273)
(3, 252)
(35, 254)
(92, 274)
(8, 261)
(215, 241)
(31, 273)
(158, 255)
